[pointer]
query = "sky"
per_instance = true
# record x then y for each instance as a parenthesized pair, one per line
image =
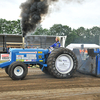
(74, 14)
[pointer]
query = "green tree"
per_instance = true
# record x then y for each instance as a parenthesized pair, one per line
(60, 30)
(41, 31)
(10, 27)
(95, 31)
(72, 38)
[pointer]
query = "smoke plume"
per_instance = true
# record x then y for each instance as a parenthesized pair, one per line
(32, 12)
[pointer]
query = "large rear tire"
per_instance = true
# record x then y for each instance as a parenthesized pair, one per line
(17, 70)
(62, 63)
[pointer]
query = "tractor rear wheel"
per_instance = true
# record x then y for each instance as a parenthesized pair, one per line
(18, 70)
(62, 63)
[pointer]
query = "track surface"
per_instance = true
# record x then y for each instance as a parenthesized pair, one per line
(39, 86)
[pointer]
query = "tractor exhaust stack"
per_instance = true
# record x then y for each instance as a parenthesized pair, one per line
(23, 38)
(23, 42)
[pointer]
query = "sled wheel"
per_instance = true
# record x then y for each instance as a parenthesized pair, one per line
(62, 63)
(6, 70)
(17, 70)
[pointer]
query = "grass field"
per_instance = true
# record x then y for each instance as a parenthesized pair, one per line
(1, 61)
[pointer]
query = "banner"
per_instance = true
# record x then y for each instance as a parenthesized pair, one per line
(4, 56)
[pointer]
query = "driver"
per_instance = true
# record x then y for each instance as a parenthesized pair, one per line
(56, 44)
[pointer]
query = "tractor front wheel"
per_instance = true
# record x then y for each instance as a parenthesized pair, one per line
(17, 70)
(6, 70)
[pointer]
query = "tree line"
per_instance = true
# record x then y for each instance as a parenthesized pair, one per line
(80, 35)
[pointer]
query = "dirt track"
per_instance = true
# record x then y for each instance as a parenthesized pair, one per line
(39, 86)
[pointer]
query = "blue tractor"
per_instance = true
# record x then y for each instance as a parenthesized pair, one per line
(60, 63)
